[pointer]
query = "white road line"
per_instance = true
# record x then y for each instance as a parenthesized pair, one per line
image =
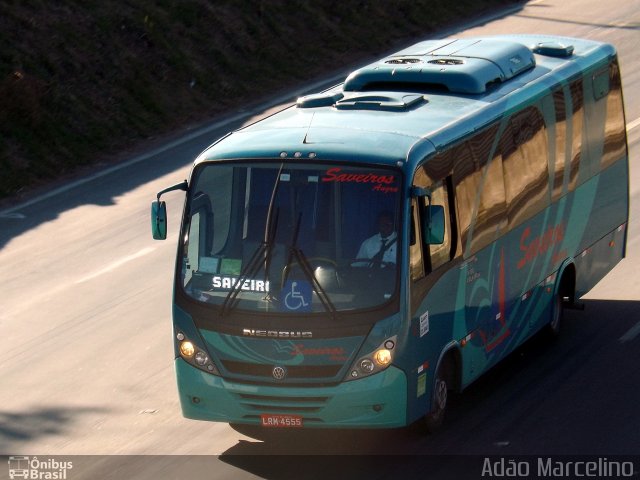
(116, 264)
(13, 216)
(632, 333)
(120, 166)
(288, 97)
(9, 212)
(240, 115)
(632, 125)
(180, 141)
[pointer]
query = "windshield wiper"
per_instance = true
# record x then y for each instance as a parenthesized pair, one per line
(302, 260)
(262, 255)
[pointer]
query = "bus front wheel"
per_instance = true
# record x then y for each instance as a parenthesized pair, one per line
(434, 419)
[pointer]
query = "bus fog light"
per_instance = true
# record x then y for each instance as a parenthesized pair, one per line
(187, 349)
(367, 365)
(382, 357)
(201, 358)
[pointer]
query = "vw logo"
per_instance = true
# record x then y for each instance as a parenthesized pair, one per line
(279, 373)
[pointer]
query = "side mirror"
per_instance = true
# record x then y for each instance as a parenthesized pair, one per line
(159, 220)
(159, 212)
(434, 225)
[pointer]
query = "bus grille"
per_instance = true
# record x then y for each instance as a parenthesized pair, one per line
(266, 403)
(293, 371)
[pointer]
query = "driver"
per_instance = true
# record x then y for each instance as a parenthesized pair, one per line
(381, 247)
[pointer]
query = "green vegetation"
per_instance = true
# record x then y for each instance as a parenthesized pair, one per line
(82, 80)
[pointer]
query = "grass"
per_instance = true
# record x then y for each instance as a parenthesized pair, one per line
(83, 80)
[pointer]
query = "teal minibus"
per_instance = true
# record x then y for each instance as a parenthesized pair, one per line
(353, 259)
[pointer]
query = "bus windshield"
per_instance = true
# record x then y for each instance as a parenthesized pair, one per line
(291, 238)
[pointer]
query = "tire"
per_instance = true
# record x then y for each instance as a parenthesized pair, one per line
(434, 419)
(557, 312)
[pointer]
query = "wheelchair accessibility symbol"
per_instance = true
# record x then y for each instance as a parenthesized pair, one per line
(296, 296)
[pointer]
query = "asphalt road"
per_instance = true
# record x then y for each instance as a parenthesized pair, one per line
(86, 366)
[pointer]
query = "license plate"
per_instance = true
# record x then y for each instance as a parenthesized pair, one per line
(281, 421)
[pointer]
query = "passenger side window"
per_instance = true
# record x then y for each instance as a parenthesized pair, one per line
(562, 147)
(525, 161)
(576, 96)
(480, 194)
(615, 146)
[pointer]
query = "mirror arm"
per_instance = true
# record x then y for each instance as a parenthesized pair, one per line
(184, 186)
(417, 192)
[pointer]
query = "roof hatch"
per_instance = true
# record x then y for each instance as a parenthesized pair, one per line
(460, 66)
(553, 49)
(389, 101)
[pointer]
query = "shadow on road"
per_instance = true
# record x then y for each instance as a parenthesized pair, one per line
(102, 191)
(19, 428)
(575, 395)
(353, 467)
(164, 159)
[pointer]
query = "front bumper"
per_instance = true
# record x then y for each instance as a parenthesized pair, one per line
(378, 401)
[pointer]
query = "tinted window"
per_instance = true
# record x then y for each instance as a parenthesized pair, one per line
(292, 238)
(480, 193)
(614, 142)
(526, 165)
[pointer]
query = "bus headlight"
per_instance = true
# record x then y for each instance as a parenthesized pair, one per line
(382, 357)
(194, 354)
(201, 358)
(187, 349)
(367, 365)
(375, 362)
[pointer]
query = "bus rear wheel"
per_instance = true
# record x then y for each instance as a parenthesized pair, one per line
(565, 296)
(557, 313)
(553, 327)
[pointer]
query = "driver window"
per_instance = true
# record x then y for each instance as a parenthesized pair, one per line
(416, 263)
(441, 254)
(437, 254)
(193, 248)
